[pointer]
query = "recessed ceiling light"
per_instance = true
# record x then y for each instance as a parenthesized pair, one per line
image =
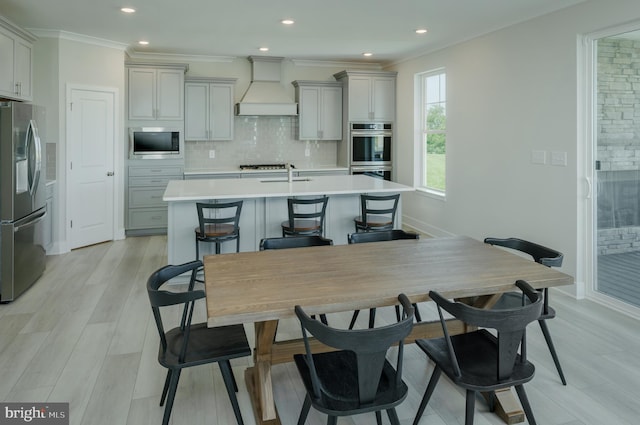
(143, 42)
(287, 21)
(421, 31)
(367, 54)
(264, 49)
(128, 10)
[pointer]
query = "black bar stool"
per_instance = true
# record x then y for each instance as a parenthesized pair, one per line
(306, 217)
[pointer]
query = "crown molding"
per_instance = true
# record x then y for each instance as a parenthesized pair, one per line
(336, 64)
(133, 54)
(27, 35)
(65, 35)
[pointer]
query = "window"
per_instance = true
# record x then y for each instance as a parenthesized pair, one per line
(433, 131)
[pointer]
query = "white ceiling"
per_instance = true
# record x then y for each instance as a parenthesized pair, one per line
(330, 30)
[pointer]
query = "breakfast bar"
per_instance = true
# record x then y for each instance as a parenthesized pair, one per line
(265, 207)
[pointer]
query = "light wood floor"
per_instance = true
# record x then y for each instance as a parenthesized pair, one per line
(84, 334)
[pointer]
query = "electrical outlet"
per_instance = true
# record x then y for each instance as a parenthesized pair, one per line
(307, 151)
(212, 154)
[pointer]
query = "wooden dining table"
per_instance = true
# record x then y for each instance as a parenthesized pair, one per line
(263, 287)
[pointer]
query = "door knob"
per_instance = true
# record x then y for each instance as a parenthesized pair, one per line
(109, 173)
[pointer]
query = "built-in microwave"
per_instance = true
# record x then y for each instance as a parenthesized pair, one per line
(154, 143)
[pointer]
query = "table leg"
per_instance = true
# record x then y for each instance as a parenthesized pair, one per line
(258, 377)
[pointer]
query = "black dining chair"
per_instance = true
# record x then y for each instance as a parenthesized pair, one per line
(188, 344)
(306, 216)
(296, 242)
(377, 212)
(380, 236)
(547, 257)
(481, 361)
(356, 378)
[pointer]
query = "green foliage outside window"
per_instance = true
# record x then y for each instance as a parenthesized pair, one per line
(436, 147)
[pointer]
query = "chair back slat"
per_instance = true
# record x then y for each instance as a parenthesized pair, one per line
(370, 346)
(508, 344)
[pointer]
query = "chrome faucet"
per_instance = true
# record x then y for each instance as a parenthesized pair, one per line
(290, 172)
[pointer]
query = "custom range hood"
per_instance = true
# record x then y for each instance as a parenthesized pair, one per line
(266, 95)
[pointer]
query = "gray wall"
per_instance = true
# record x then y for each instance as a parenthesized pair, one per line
(509, 93)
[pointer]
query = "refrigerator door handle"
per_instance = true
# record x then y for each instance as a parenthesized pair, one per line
(31, 222)
(32, 136)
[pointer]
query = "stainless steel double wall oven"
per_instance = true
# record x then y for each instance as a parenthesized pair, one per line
(371, 149)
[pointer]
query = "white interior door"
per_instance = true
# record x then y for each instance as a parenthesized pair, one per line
(90, 166)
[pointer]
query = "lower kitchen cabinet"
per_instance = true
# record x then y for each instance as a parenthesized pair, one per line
(146, 211)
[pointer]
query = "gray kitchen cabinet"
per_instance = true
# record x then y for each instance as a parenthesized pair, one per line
(156, 92)
(320, 110)
(209, 108)
(16, 57)
(146, 185)
(370, 95)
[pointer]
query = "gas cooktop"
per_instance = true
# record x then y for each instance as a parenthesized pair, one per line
(264, 167)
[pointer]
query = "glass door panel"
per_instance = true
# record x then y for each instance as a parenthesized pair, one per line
(618, 168)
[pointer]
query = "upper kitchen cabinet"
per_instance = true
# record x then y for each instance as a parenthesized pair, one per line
(209, 108)
(320, 110)
(156, 92)
(370, 95)
(16, 53)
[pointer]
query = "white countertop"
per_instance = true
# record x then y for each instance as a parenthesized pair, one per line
(245, 188)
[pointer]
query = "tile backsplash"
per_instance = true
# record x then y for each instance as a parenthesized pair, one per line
(261, 140)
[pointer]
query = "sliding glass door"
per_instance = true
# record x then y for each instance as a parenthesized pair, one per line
(617, 165)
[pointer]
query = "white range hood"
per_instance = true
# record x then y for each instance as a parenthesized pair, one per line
(266, 95)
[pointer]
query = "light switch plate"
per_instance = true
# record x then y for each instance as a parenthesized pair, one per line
(539, 157)
(559, 158)
(212, 154)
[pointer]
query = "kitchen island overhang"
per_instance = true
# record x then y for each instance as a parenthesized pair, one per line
(265, 207)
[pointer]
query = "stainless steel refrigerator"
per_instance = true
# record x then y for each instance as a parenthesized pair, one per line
(22, 199)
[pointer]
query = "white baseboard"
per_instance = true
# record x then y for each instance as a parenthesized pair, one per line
(422, 227)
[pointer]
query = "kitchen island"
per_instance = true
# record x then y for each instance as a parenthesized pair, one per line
(265, 207)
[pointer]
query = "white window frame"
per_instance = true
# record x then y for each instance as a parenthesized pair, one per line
(421, 133)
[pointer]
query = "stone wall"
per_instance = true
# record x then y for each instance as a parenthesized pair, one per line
(618, 151)
(618, 104)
